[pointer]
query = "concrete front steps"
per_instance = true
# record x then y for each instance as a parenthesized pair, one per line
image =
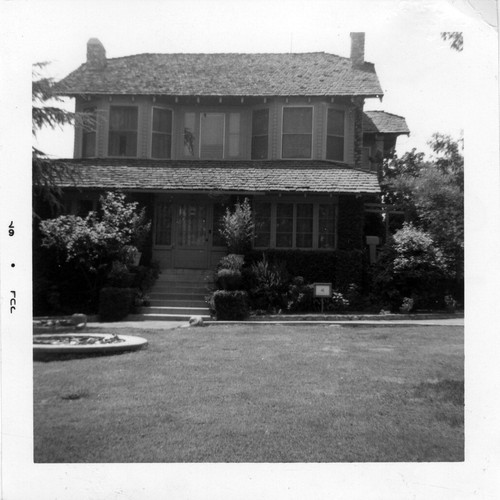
(177, 295)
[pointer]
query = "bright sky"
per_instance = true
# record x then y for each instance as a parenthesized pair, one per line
(423, 79)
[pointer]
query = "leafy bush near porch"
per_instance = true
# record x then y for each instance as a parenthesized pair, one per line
(313, 266)
(411, 267)
(80, 255)
(231, 304)
(237, 227)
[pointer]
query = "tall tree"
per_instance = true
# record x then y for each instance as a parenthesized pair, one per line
(46, 112)
(431, 192)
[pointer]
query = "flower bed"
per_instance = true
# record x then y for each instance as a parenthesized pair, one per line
(64, 345)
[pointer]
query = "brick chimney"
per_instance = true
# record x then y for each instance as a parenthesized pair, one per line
(357, 49)
(96, 54)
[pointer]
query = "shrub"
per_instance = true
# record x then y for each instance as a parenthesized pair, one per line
(115, 303)
(237, 227)
(301, 299)
(337, 302)
(145, 276)
(313, 266)
(407, 305)
(410, 266)
(89, 251)
(119, 276)
(231, 261)
(270, 285)
(229, 279)
(300, 296)
(230, 305)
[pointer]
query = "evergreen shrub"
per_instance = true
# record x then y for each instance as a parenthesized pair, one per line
(231, 304)
(229, 279)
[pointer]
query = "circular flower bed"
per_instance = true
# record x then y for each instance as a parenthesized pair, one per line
(74, 344)
(76, 339)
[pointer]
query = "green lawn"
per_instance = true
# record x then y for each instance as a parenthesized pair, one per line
(258, 394)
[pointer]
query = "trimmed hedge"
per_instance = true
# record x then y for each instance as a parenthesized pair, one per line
(231, 305)
(115, 303)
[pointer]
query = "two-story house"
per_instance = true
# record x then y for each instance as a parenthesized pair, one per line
(189, 134)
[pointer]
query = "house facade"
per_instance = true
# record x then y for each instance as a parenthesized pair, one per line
(187, 135)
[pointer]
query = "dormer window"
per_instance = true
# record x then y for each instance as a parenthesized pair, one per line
(297, 132)
(122, 131)
(161, 138)
(335, 134)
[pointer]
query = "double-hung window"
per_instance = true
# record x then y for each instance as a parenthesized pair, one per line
(122, 131)
(260, 134)
(161, 138)
(212, 136)
(335, 134)
(297, 132)
(295, 225)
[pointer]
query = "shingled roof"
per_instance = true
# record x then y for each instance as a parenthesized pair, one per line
(302, 74)
(206, 176)
(381, 122)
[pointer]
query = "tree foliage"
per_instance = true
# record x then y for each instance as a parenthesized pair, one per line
(90, 245)
(411, 266)
(237, 227)
(455, 39)
(48, 174)
(431, 193)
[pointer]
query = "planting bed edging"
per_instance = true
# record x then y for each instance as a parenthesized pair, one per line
(130, 343)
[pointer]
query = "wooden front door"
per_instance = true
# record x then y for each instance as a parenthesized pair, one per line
(191, 237)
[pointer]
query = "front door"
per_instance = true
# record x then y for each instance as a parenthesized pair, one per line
(190, 248)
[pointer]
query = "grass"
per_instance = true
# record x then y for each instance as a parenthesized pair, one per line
(258, 393)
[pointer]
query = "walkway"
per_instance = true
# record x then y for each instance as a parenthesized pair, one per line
(169, 325)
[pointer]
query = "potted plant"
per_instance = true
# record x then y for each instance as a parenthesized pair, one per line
(237, 228)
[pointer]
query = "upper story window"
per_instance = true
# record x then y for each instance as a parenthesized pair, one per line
(260, 134)
(233, 148)
(212, 136)
(161, 139)
(189, 134)
(335, 134)
(297, 132)
(122, 131)
(89, 133)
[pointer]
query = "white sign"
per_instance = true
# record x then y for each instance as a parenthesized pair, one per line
(322, 289)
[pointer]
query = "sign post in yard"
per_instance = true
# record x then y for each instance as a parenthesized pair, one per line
(322, 291)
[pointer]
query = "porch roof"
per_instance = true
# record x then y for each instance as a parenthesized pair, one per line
(381, 122)
(202, 176)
